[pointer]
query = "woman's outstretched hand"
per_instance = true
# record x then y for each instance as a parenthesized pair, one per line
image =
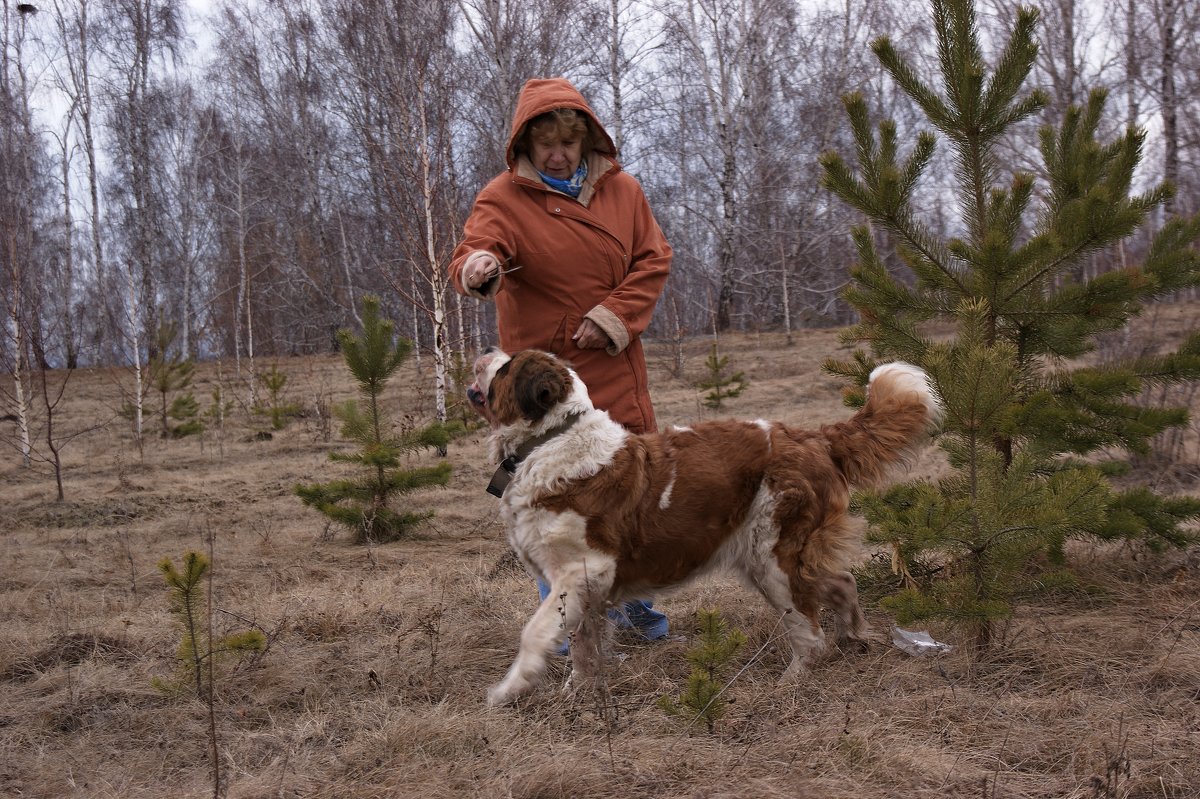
(480, 267)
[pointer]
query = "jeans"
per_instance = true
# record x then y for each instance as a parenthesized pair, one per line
(637, 614)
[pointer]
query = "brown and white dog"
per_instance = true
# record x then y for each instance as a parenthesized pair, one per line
(603, 515)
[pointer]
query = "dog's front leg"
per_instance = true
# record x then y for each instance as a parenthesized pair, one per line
(807, 640)
(557, 615)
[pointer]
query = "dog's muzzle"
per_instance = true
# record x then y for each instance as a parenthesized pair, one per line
(475, 397)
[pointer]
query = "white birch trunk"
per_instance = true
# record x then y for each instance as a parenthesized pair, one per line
(345, 257)
(715, 70)
(416, 321)
(462, 330)
(19, 386)
(437, 276)
(617, 126)
(67, 286)
(787, 300)
(133, 320)
(245, 304)
(80, 68)
(16, 256)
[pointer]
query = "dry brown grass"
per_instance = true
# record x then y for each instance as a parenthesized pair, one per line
(374, 679)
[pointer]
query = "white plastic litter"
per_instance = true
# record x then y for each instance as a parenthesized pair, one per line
(918, 643)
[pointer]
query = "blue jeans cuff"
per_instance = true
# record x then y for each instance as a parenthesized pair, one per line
(637, 614)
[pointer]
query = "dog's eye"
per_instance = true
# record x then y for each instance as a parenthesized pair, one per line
(503, 370)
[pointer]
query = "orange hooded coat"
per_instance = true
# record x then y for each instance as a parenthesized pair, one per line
(601, 257)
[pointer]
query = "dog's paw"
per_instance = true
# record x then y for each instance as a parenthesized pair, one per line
(796, 671)
(854, 646)
(497, 696)
(507, 691)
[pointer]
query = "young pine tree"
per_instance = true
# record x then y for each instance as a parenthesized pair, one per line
(279, 409)
(711, 657)
(1024, 406)
(198, 645)
(368, 504)
(169, 372)
(721, 386)
(185, 411)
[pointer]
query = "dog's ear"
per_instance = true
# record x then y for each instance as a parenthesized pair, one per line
(539, 384)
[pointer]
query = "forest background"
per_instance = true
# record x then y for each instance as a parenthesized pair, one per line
(245, 172)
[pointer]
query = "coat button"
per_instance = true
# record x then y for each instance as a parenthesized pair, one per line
(558, 210)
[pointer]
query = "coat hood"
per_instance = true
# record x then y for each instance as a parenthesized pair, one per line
(541, 95)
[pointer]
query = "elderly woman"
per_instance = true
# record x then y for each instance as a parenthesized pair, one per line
(565, 244)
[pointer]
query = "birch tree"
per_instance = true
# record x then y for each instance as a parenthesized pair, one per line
(271, 69)
(140, 34)
(62, 282)
(230, 171)
(18, 202)
(624, 36)
(403, 63)
(511, 41)
(728, 56)
(74, 70)
(188, 230)
(1169, 23)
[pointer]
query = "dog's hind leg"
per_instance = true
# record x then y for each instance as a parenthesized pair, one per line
(841, 596)
(571, 591)
(799, 615)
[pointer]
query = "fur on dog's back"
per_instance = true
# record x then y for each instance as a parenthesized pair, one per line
(670, 501)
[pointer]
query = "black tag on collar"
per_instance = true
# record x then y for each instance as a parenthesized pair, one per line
(502, 477)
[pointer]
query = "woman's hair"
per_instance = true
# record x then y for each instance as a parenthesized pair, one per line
(561, 123)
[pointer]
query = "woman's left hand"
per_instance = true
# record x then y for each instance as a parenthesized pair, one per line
(590, 336)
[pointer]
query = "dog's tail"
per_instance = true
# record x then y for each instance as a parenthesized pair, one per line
(901, 411)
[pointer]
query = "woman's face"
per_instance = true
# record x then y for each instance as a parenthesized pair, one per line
(555, 156)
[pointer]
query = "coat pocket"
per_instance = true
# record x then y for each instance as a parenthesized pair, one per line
(562, 336)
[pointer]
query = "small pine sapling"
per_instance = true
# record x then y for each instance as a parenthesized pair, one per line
(720, 385)
(169, 372)
(710, 658)
(279, 409)
(198, 645)
(186, 413)
(365, 504)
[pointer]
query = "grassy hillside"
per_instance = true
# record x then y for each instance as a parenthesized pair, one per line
(373, 680)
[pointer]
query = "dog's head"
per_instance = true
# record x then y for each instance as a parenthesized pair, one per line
(524, 386)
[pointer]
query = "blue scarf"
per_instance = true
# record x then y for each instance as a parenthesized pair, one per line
(571, 187)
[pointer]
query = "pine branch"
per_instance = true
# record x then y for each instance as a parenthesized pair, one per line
(1011, 69)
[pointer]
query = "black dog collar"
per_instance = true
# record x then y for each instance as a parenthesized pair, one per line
(508, 467)
(502, 477)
